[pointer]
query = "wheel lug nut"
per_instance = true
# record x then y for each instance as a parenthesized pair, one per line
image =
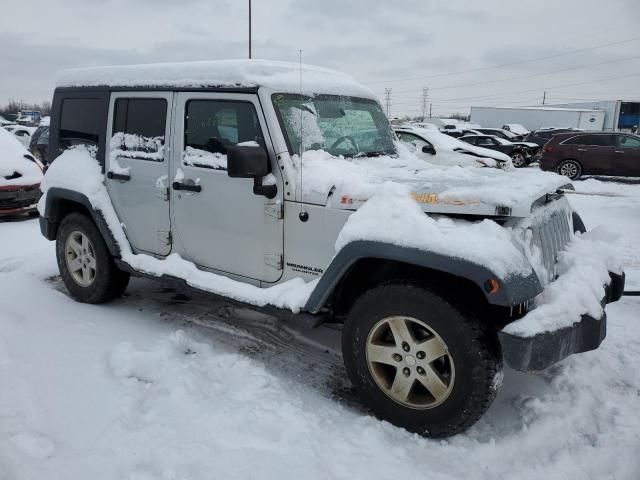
(405, 346)
(406, 371)
(420, 355)
(420, 370)
(397, 357)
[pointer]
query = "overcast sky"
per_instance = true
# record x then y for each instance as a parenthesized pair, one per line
(404, 45)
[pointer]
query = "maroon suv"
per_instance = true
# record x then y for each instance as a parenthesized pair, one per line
(592, 153)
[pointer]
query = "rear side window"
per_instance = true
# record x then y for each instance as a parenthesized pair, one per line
(591, 140)
(139, 126)
(625, 141)
(79, 122)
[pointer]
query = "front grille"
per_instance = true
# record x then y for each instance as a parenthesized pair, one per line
(10, 199)
(551, 236)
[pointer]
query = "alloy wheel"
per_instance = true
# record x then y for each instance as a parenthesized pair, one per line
(80, 257)
(410, 362)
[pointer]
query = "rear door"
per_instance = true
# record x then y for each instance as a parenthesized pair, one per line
(137, 166)
(626, 156)
(595, 153)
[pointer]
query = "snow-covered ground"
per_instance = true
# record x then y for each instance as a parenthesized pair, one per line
(167, 384)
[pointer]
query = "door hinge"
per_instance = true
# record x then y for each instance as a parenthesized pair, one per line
(275, 210)
(274, 260)
(165, 237)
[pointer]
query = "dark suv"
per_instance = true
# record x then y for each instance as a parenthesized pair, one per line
(592, 153)
(39, 144)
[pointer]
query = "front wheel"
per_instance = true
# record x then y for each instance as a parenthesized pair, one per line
(570, 168)
(418, 362)
(86, 266)
(518, 160)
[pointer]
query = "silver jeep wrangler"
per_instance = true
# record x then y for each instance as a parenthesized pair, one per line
(205, 161)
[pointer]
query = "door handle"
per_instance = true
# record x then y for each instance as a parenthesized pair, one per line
(187, 187)
(123, 177)
(582, 149)
(618, 151)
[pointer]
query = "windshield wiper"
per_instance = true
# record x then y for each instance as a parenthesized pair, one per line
(371, 154)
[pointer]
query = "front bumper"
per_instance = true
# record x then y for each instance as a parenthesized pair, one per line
(544, 349)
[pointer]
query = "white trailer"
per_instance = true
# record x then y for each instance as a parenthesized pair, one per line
(534, 118)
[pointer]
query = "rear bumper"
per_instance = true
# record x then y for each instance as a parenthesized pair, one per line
(544, 349)
(19, 199)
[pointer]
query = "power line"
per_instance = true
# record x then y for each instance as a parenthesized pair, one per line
(520, 77)
(387, 92)
(520, 62)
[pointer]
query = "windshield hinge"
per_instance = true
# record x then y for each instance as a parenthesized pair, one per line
(275, 210)
(274, 260)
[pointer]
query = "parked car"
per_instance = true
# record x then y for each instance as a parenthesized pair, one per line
(22, 133)
(440, 149)
(592, 153)
(516, 129)
(543, 135)
(499, 132)
(424, 268)
(521, 153)
(39, 145)
(20, 177)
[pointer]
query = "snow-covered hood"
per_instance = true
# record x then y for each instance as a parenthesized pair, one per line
(347, 183)
(16, 167)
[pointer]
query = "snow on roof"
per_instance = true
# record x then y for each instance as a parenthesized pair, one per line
(280, 76)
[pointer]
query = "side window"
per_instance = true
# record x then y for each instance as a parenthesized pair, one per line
(211, 126)
(625, 141)
(484, 141)
(80, 120)
(138, 128)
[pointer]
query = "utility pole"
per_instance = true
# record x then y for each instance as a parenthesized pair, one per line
(249, 28)
(425, 96)
(387, 93)
(430, 105)
(544, 97)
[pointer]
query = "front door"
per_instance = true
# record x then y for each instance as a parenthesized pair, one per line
(223, 225)
(137, 166)
(626, 157)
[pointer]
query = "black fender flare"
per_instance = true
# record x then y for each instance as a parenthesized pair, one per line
(514, 289)
(54, 212)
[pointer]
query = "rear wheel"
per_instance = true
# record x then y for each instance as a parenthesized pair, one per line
(418, 362)
(570, 168)
(86, 266)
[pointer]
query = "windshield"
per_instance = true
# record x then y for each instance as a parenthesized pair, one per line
(348, 126)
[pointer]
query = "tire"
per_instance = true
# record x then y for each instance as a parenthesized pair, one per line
(518, 160)
(99, 279)
(37, 154)
(578, 224)
(569, 168)
(470, 368)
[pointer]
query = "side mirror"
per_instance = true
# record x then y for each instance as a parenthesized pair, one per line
(245, 161)
(429, 149)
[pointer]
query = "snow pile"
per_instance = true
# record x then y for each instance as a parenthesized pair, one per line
(202, 158)
(325, 174)
(392, 216)
(78, 170)
(583, 269)
(136, 146)
(279, 76)
(14, 165)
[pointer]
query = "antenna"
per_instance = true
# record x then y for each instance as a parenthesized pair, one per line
(303, 215)
(249, 29)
